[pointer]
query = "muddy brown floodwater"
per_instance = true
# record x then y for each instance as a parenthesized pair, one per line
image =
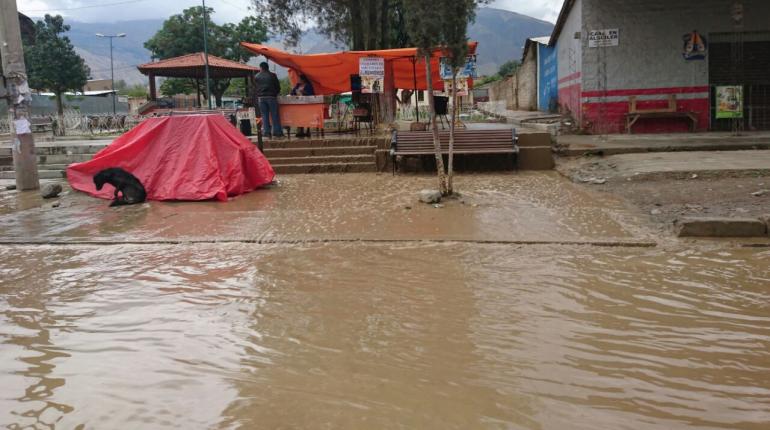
(378, 335)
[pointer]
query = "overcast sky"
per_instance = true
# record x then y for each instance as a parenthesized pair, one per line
(226, 10)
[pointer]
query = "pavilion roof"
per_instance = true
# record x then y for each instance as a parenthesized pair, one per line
(194, 65)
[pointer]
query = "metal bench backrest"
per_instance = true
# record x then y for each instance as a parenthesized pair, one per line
(466, 139)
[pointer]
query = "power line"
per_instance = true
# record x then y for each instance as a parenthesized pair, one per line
(84, 7)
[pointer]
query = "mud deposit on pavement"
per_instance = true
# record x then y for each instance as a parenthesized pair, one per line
(526, 206)
(339, 302)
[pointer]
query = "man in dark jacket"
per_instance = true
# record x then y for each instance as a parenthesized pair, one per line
(267, 88)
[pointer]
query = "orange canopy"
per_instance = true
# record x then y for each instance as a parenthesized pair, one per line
(330, 73)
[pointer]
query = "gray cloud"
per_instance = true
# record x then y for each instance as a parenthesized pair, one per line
(226, 10)
(125, 10)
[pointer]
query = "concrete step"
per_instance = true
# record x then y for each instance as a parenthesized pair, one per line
(60, 150)
(276, 161)
(319, 151)
(42, 174)
(63, 159)
(325, 168)
(39, 167)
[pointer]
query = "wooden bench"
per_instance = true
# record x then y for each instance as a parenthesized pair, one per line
(408, 143)
(635, 114)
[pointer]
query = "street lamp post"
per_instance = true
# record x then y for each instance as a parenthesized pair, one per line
(206, 53)
(112, 70)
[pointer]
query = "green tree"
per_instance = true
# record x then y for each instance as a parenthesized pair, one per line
(358, 24)
(440, 24)
(455, 14)
(508, 68)
(52, 63)
(172, 86)
(424, 26)
(183, 34)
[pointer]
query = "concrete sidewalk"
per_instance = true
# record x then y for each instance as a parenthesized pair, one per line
(578, 145)
(540, 121)
(669, 165)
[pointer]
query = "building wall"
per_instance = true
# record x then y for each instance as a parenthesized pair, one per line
(503, 93)
(527, 81)
(570, 62)
(98, 85)
(648, 61)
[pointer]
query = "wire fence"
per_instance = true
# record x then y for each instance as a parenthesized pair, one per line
(74, 123)
(467, 112)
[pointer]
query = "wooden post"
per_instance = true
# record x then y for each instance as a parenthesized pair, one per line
(153, 92)
(388, 101)
(19, 98)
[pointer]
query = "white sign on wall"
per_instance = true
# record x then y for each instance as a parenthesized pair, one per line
(609, 37)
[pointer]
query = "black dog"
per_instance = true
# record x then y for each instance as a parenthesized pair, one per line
(131, 190)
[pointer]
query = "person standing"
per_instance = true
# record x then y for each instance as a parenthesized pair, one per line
(267, 88)
(303, 88)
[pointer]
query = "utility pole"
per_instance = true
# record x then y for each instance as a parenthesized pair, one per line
(18, 96)
(112, 70)
(206, 52)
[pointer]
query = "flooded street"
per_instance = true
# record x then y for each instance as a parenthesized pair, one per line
(528, 303)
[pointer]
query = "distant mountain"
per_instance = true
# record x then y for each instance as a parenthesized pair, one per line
(128, 52)
(500, 33)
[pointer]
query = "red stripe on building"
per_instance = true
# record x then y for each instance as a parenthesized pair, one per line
(645, 91)
(569, 77)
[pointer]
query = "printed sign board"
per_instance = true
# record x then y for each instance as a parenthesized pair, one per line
(372, 72)
(468, 71)
(730, 102)
(462, 87)
(608, 37)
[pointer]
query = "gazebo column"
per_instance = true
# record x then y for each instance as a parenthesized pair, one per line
(153, 92)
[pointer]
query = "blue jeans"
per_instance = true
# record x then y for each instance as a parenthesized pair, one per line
(268, 107)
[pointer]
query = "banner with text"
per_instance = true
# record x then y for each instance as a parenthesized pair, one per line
(372, 72)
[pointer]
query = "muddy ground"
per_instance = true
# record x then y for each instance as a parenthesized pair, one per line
(666, 197)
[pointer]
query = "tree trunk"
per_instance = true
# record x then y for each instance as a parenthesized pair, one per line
(59, 104)
(59, 114)
(371, 32)
(384, 24)
(356, 26)
(442, 186)
(450, 168)
(218, 99)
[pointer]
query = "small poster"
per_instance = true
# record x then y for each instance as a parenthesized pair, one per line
(462, 87)
(730, 102)
(599, 38)
(695, 46)
(372, 72)
(467, 71)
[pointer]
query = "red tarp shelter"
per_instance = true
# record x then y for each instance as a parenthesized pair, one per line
(183, 157)
(330, 73)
